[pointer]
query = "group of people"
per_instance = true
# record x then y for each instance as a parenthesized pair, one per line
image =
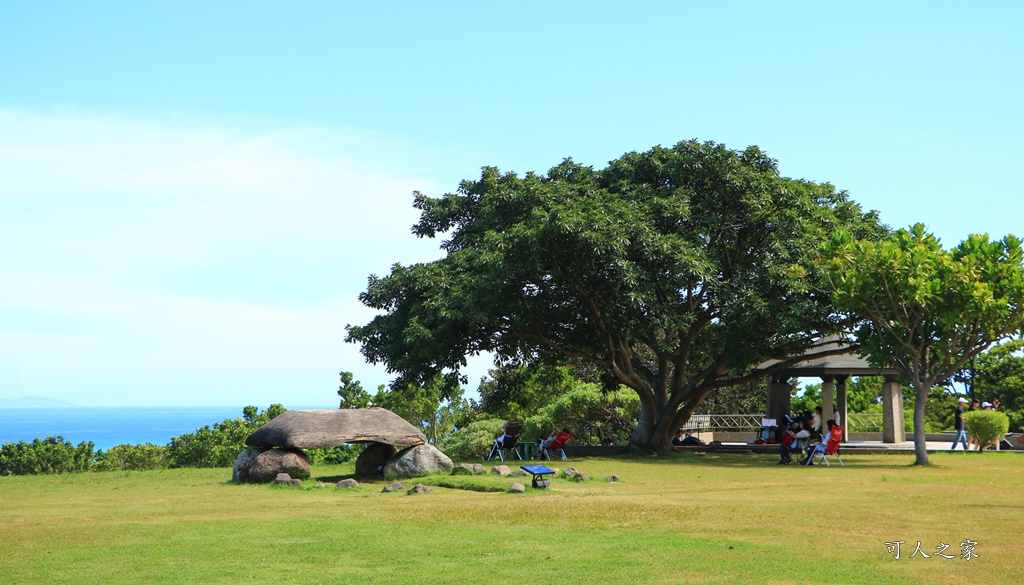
(960, 426)
(803, 435)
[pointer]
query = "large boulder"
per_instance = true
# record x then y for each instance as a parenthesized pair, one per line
(317, 429)
(244, 461)
(416, 461)
(373, 459)
(262, 466)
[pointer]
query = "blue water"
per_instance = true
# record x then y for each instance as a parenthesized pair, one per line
(109, 426)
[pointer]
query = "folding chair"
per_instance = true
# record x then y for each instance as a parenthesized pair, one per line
(507, 442)
(831, 447)
(555, 446)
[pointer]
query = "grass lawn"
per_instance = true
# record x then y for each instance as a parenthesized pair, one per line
(686, 518)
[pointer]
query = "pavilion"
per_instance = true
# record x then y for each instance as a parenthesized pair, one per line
(834, 371)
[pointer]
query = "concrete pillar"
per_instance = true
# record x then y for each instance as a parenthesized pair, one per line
(779, 395)
(841, 409)
(893, 427)
(828, 403)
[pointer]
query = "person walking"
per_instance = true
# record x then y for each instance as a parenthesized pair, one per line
(958, 424)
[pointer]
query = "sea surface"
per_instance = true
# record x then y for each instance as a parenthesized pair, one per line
(109, 426)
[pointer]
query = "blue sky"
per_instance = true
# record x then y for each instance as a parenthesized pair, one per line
(193, 194)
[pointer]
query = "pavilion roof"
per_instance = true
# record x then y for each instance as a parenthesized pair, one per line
(847, 364)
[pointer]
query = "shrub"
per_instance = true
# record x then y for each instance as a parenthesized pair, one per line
(141, 457)
(334, 455)
(49, 455)
(220, 445)
(594, 417)
(987, 425)
(472, 441)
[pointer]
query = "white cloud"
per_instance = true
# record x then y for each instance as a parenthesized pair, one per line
(164, 259)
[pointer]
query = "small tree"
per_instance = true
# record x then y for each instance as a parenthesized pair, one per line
(988, 426)
(925, 311)
(351, 392)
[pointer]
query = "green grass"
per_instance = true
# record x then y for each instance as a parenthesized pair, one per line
(687, 518)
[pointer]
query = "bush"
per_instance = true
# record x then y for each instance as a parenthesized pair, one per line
(141, 457)
(593, 416)
(49, 455)
(987, 425)
(218, 446)
(472, 441)
(334, 455)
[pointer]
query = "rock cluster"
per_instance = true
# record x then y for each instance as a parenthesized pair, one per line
(468, 469)
(264, 465)
(276, 446)
(285, 479)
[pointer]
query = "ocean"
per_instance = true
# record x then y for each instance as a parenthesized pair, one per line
(109, 426)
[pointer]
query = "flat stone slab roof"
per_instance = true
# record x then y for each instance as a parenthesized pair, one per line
(318, 429)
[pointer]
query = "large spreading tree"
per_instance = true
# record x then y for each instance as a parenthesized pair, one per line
(925, 311)
(674, 271)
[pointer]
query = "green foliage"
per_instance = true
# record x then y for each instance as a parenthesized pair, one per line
(45, 456)
(516, 392)
(999, 374)
(987, 425)
(131, 458)
(207, 447)
(594, 417)
(333, 455)
(218, 446)
(433, 407)
(673, 271)
(352, 393)
(472, 441)
(925, 311)
(939, 410)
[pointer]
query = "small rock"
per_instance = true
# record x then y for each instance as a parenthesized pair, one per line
(348, 484)
(282, 478)
(501, 470)
(516, 488)
(420, 489)
(569, 472)
(478, 468)
(464, 469)
(320, 485)
(296, 482)
(612, 479)
(519, 473)
(580, 476)
(393, 487)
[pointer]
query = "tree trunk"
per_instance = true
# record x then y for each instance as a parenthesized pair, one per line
(920, 445)
(651, 433)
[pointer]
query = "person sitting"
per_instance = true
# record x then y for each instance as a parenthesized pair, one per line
(504, 431)
(788, 441)
(692, 441)
(677, 441)
(820, 445)
(545, 443)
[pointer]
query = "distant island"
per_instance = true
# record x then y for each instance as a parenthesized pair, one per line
(35, 402)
